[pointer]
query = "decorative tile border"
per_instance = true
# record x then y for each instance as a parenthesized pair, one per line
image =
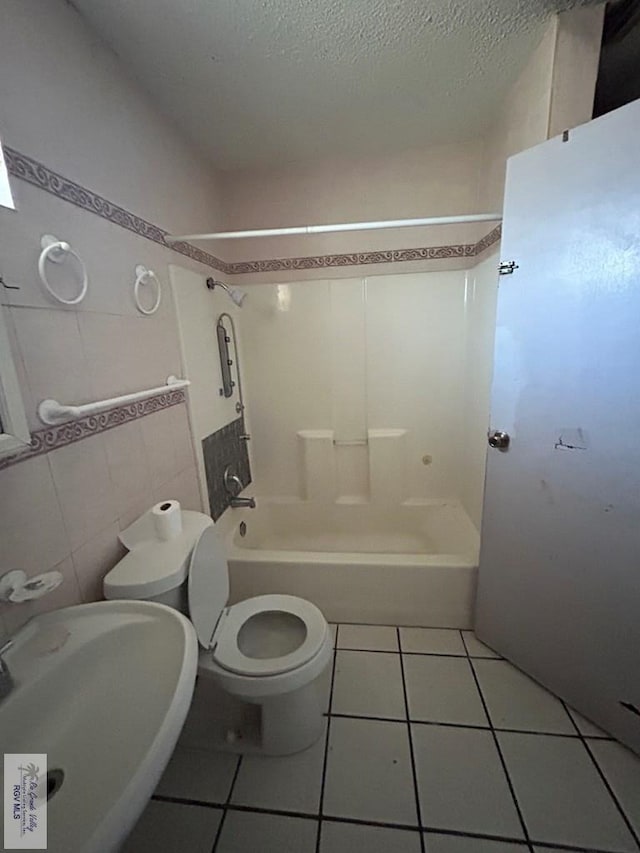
(488, 241)
(392, 256)
(429, 253)
(53, 437)
(35, 173)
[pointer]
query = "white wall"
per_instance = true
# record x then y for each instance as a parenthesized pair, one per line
(554, 92)
(386, 352)
(65, 100)
(422, 182)
(575, 67)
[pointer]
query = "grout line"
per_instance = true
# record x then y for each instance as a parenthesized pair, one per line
(227, 805)
(436, 830)
(411, 753)
(340, 716)
(447, 724)
(484, 836)
(554, 845)
(497, 729)
(464, 643)
(369, 651)
(558, 845)
(605, 781)
(188, 801)
(501, 756)
(356, 821)
(395, 627)
(581, 734)
(326, 743)
(493, 656)
(361, 822)
(421, 654)
(238, 807)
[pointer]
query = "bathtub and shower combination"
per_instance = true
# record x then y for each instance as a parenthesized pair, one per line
(410, 564)
(381, 561)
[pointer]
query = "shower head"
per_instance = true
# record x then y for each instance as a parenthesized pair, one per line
(237, 295)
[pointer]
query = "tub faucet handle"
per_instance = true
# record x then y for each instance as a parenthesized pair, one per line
(232, 483)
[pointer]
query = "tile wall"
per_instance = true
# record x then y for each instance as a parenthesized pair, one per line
(221, 450)
(63, 509)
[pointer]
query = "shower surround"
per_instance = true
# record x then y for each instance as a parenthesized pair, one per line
(368, 409)
(370, 390)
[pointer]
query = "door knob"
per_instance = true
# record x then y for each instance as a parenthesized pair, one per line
(499, 440)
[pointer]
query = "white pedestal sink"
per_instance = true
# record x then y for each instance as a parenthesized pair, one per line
(103, 689)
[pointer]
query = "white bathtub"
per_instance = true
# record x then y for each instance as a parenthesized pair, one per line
(414, 564)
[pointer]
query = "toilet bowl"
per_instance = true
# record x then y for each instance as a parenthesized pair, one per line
(259, 660)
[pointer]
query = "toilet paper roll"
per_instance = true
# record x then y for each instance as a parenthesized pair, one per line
(167, 519)
(36, 587)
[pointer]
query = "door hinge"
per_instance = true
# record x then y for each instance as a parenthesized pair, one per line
(507, 267)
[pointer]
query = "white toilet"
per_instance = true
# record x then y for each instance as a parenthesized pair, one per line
(259, 660)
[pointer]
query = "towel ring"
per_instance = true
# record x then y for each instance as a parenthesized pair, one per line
(144, 275)
(56, 251)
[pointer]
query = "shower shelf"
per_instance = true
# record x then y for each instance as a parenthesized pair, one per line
(53, 413)
(351, 442)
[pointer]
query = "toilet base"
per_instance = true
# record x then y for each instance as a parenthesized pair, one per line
(277, 725)
(292, 722)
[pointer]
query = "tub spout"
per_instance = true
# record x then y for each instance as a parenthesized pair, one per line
(246, 502)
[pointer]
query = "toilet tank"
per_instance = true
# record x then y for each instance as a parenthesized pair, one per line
(156, 569)
(176, 598)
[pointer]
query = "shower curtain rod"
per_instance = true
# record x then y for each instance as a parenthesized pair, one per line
(343, 226)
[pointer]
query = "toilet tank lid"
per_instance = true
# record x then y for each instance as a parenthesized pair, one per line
(153, 566)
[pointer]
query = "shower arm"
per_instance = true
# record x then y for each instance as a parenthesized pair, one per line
(240, 403)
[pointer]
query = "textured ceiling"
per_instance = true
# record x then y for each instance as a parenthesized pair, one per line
(257, 82)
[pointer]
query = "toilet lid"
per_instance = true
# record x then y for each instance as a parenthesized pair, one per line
(208, 585)
(269, 634)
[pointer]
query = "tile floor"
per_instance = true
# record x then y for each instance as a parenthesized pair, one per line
(433, 744)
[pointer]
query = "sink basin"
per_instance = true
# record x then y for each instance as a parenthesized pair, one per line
(103, 689)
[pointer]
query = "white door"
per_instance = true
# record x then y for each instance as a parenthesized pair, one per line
(559, 583)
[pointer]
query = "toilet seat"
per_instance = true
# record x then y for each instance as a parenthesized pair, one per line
(289, 622)
(226, 650)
